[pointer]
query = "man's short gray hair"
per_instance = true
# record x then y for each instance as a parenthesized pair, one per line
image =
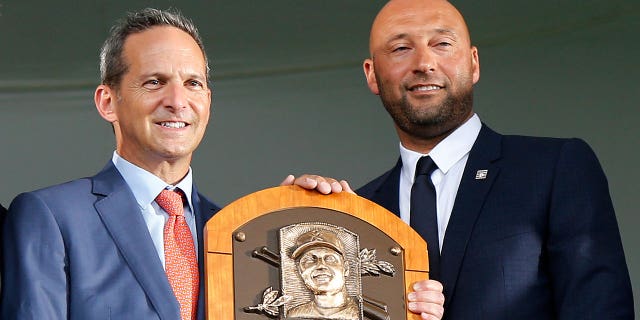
(112, 64)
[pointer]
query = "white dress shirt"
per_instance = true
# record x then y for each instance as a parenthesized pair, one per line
(450, 155)
(146, 187)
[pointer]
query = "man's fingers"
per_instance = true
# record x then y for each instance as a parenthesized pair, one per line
(428, 285)
(288, 180)
(427, 310)
(324, 185)
(427, 299)
(346, 187)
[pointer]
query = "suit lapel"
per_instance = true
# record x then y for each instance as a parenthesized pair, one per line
(387, 194)
(468, 204)
(204, 210)
(121, 216)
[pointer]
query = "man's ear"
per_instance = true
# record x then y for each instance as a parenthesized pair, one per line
(104, 98)
(475, 64)
(370, 74)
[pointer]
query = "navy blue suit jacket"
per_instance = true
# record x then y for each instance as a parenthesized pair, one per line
(3, 214)
(81, 250)
(537, 239)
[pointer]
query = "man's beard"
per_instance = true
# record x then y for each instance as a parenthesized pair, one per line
(432, 122)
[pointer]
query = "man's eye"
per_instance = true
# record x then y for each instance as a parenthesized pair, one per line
(154, 83)
(195, 83)
(400, 49)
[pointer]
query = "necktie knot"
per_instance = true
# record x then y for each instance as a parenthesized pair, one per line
(425, 166)
(171, 202)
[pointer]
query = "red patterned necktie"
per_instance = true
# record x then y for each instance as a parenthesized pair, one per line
(181, 264)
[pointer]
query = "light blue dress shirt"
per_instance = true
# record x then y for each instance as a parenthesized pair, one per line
(146, 187)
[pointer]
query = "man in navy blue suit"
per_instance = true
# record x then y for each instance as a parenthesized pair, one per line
(526, 228)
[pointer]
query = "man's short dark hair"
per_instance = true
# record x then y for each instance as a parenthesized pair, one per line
(112, 64)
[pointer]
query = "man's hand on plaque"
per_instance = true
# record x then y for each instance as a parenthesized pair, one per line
(324, 185)
(427, 299)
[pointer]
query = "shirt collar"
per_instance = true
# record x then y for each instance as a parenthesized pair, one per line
(145, 185)
(446, 153)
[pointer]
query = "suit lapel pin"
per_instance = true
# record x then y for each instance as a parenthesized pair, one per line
(481, 174)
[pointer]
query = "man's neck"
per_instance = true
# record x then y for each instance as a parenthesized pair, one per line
(169, 171)
(424, 145)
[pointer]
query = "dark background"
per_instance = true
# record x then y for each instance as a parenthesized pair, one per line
(290, 96)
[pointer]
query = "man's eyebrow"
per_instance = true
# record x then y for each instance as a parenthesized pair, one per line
(153, 74)
(164, 75)
(446, 32)
(397, 37)
(443, 31)
(195, 75)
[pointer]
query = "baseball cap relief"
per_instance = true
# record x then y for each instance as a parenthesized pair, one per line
(317, 238)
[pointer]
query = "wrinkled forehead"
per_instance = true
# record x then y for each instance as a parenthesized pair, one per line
(163, 41)
(400, 17)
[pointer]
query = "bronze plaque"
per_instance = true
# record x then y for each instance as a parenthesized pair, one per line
(290, 253)
(271, 253)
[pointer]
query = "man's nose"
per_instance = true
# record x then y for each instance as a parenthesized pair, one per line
(425, 60)
(176, 96)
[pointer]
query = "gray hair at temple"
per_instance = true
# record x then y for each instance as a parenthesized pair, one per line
(112, 64)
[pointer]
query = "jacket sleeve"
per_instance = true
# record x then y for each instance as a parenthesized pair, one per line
(585, 259)
(34, 281)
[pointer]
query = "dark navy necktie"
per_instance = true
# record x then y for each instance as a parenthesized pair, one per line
(424, 217)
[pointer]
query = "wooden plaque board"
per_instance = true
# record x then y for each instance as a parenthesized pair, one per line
(219, 237)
